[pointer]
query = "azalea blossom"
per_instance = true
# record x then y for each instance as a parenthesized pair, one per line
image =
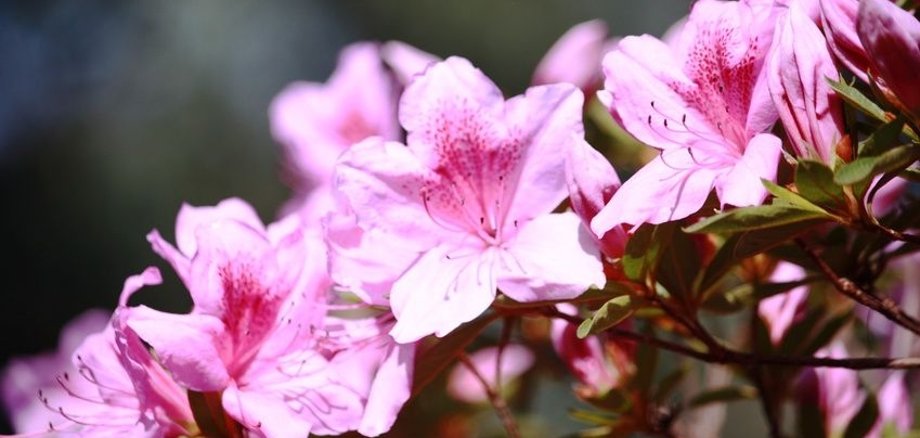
(592, 181)
(705, 106)
(115, 387)
(895, 408)
(838, 20)
(316, 122)
(23, 376)
(255, 329)
(798, 70)
(467, 204)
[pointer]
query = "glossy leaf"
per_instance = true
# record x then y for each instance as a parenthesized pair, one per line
(865, 168)
(754, 218)
(609, 315)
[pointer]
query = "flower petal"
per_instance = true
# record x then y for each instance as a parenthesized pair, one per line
(553, 257)
(742, 185)
(449, 285)
(187, 345)
(670, 187)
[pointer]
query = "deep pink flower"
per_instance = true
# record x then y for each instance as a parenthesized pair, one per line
(585, 358)
(891, 37)
(838, 19)
(316, 122)
(705, 105)
(254, 333)
(798, 69)
(592, 181)
(466, 205)
(464, 386)
(781, 311)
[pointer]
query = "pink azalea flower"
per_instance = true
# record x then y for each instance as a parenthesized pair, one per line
(895, 408)
(23, 376)
(316, 122)
(575, 58)
(585, 358)
(781, 311)
(464, 386)
(115, 387)
(254, 331)
(891, 37)
(592, 181)
(467, 203)
(706, 106)
(798, 69)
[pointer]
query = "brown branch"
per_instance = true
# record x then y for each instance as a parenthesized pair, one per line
(883, 305)
(498, 403)
(894, 234)
(731, 357)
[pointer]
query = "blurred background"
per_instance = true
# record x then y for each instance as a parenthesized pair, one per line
(114, 113)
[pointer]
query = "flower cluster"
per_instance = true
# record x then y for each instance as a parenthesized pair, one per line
(427, 204)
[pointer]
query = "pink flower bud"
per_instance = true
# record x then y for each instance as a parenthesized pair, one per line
(838, 18)
(797, 72)
(891, 36)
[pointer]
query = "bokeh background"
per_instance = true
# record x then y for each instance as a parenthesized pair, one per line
(114, 113)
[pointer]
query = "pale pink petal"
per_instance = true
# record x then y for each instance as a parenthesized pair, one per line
(437, 108)
(390, 391)
(547, 119)
(553, 257)
(191, 217)
(383, 182)
(464, 386)
(668, 188)
(742, 185)
(406, 61)
(264, 414)
(187, 345)
(575, 58)
(641, 75)
(150, 277)
(179, 262)
(838, 390)
(449, 285)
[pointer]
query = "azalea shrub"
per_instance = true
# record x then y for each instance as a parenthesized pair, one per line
(445, 236)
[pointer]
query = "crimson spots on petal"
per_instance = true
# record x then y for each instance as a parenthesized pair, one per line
(249, 311)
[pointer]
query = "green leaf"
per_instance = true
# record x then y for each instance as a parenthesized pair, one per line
(434, 359)
(882, 139)
(815, 182)
(787, 197)
(862, 423)
(609, 315)
(646, 366)
(858, 100)
(722, 395)
(754, 218)
(865, 168)
(644, 249)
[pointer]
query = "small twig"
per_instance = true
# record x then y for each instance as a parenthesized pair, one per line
(498, 403)
(767, 402)
(894, 234)
(883, 305)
